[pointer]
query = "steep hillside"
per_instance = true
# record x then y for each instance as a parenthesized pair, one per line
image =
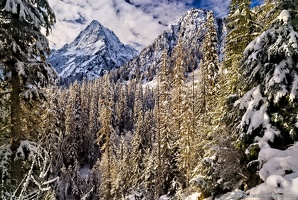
(190, 29)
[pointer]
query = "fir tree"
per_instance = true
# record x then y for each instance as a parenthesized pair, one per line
(93, 124)
(269, 75)
(167, 171)
(265, 113)
(179, 107)
(85, 109)
(240, 33)
(106, 136)
(139, 140)
(73, 128)
(214, 147)
(272, 8)
(4, 106)
(23, 51)
(121, 108)
(52, 126)
(122, 177)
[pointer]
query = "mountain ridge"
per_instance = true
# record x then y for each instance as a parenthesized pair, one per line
(78, 57)
(190, 29)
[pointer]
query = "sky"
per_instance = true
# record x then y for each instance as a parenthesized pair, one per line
(135, 22)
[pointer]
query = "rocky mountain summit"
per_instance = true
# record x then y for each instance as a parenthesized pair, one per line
(95, 50)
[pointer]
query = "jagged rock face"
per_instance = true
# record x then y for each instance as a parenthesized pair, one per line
(95, 50)
(190, 28)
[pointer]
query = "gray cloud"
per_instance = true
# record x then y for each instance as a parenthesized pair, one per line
(138, 22)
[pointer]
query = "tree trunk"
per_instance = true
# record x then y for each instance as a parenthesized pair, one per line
(15, 109)
(16, 165)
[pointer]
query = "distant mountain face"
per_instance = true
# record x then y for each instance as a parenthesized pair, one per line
(95, 50)
(190, 29)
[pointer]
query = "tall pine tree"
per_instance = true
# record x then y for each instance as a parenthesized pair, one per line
(106, 136)
(22, 62)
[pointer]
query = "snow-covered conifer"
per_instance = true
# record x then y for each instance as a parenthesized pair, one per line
(240, 33)
(24, 49)
(270, 80)
(22, 62)
(106, 138)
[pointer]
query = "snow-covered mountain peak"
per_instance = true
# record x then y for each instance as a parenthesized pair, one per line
(193, 17)
(95, 50)
(96, 36)
(189, 24)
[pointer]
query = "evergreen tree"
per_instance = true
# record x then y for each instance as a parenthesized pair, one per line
(149, 99)
(23, 51)
(265, 113)
(4, 106)
(52, 127)
(208, 76)
(178, 89)
(93, 124)
(269, 79)
(122, 175)
(218, 166)
(131, 88)
(85, 109)
(139, 140)
(189, 141)
(151, 172)
(138, 103)
(240, 33)
(210, 59)
(166, 167)
(73, 128)
(187, 154)
(105, 138)
(179, 127)
(121, 109)
(272, 8)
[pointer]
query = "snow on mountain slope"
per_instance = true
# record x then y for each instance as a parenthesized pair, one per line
(190, 28)
(95, 50)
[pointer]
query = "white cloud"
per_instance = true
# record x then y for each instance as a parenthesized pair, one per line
(135, 22)
(132, 24)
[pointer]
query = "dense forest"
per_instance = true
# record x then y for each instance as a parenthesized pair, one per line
(224, 129)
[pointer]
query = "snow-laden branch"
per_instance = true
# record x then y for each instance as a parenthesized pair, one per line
(34, 182)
